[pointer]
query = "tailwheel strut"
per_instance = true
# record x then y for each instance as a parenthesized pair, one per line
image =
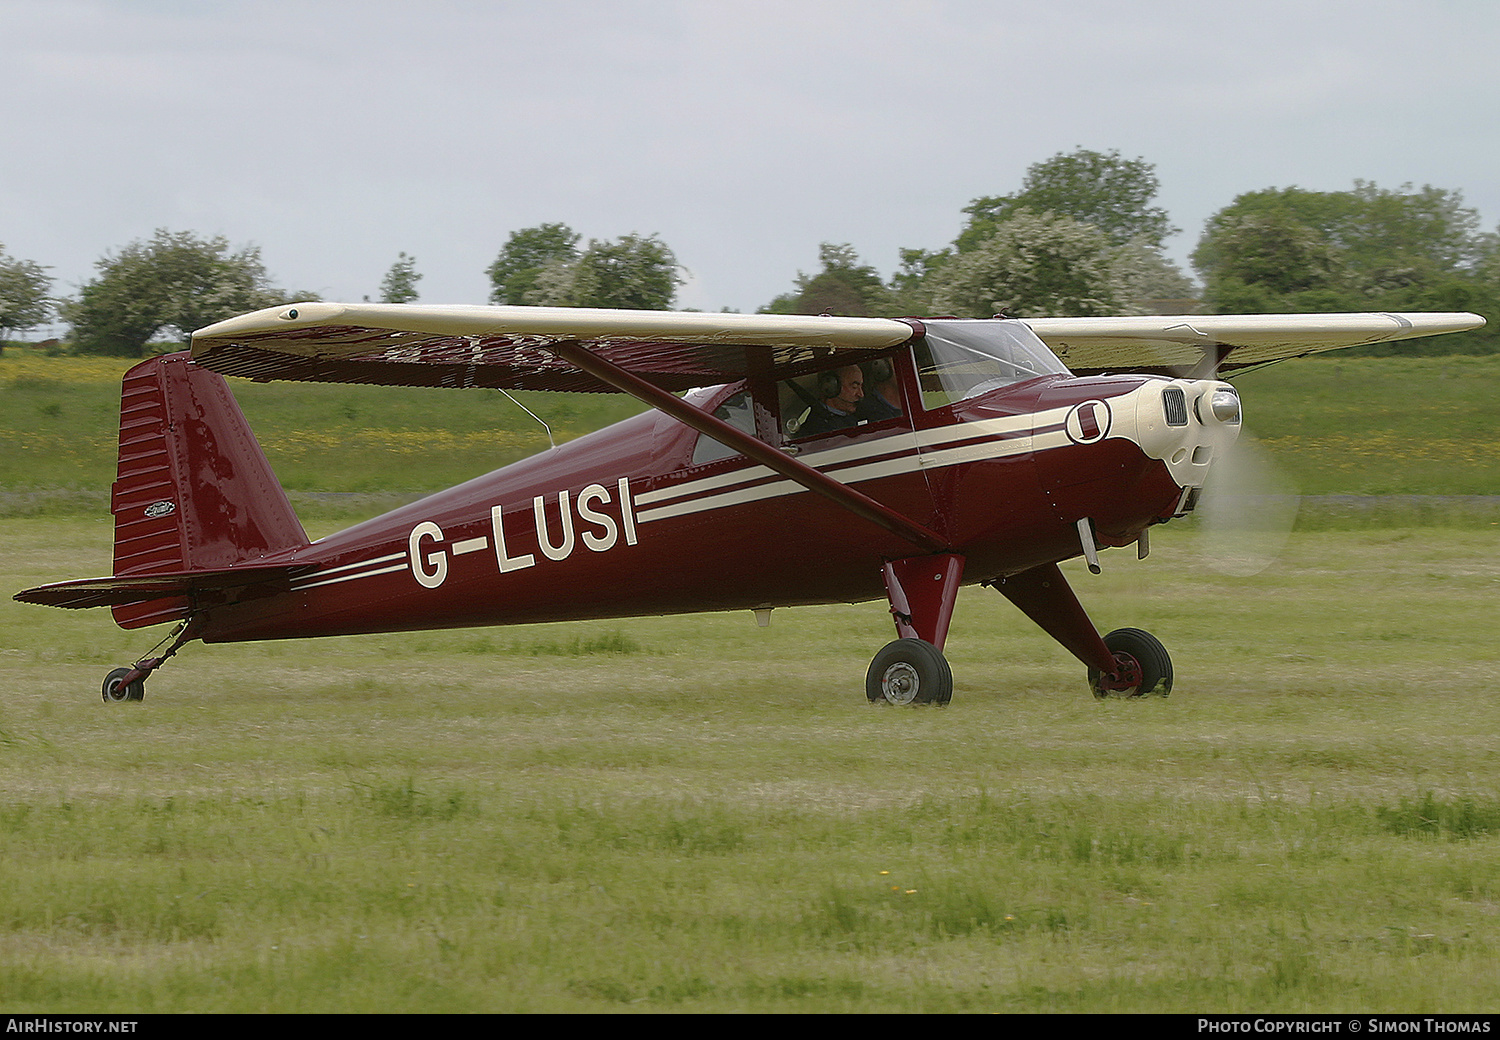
(129, 684)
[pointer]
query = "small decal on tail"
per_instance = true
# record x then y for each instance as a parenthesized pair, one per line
(162, 508)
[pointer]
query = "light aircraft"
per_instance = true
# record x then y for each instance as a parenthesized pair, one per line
(829, 460)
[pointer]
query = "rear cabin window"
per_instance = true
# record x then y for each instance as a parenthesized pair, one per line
(736, 411)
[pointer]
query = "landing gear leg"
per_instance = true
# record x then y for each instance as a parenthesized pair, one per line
(1128, 662)
(913, 670)
(129, 684)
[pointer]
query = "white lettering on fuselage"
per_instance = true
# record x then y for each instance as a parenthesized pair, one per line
(599, 531)
(563, 549)
(438, 561)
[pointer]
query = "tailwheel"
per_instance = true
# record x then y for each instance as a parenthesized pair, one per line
(117, 690)
(1142, 666)
(129, 684)
(909, 671)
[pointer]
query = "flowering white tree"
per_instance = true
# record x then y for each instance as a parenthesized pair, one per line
(632, 272)
(1033, 265)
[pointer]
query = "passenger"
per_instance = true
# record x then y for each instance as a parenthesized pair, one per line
(839, 394)
(884, 399)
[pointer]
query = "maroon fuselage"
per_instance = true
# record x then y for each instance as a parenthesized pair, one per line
(621, 523)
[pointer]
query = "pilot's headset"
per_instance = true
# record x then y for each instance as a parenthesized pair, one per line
(829, 383)
(877, 372)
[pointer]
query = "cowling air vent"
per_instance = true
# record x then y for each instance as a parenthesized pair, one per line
(1174, 403)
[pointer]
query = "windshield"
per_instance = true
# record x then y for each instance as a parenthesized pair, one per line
(958, 359)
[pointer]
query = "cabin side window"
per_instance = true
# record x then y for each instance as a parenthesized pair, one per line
(840, 398)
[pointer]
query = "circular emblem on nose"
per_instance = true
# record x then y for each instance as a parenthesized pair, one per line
(1087, 422)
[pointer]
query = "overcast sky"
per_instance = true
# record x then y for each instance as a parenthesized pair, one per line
(336, 135)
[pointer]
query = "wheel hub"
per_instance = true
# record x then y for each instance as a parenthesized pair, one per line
(1126, 678)
(900, 683)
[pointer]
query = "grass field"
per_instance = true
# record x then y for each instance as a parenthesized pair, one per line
(694, 814)
(1351, 426)
(1380, 426)
(60, 427)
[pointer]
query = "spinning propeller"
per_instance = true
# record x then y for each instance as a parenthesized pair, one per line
(1246, 511)
(1248, 504)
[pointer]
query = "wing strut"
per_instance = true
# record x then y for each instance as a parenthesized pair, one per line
(860, 505)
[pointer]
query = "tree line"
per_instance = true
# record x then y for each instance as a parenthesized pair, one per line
(1082, 236)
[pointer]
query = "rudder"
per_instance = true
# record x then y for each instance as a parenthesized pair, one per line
(193, 489)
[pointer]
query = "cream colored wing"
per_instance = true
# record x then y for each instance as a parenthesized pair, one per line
(420, 345)
(1226, 342)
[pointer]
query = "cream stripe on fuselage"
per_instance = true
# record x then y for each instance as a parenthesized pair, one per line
(999, 440)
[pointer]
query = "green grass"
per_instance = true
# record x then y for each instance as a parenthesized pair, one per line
(1380, 426)
(695, 814)
(1338, 426)
(59, 429)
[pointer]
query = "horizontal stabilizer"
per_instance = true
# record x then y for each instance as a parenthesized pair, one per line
(144, 588)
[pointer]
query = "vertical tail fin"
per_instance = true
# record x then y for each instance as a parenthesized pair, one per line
(193, 490)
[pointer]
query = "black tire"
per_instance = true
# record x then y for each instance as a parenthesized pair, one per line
(1148, 653)
(114, 693)
(909, 671)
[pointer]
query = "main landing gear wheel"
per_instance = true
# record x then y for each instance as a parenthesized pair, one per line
(909, 671)
(114, 691)
(1143, 667)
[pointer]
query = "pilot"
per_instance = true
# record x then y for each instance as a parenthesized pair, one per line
(839, 394)
(884, 398)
